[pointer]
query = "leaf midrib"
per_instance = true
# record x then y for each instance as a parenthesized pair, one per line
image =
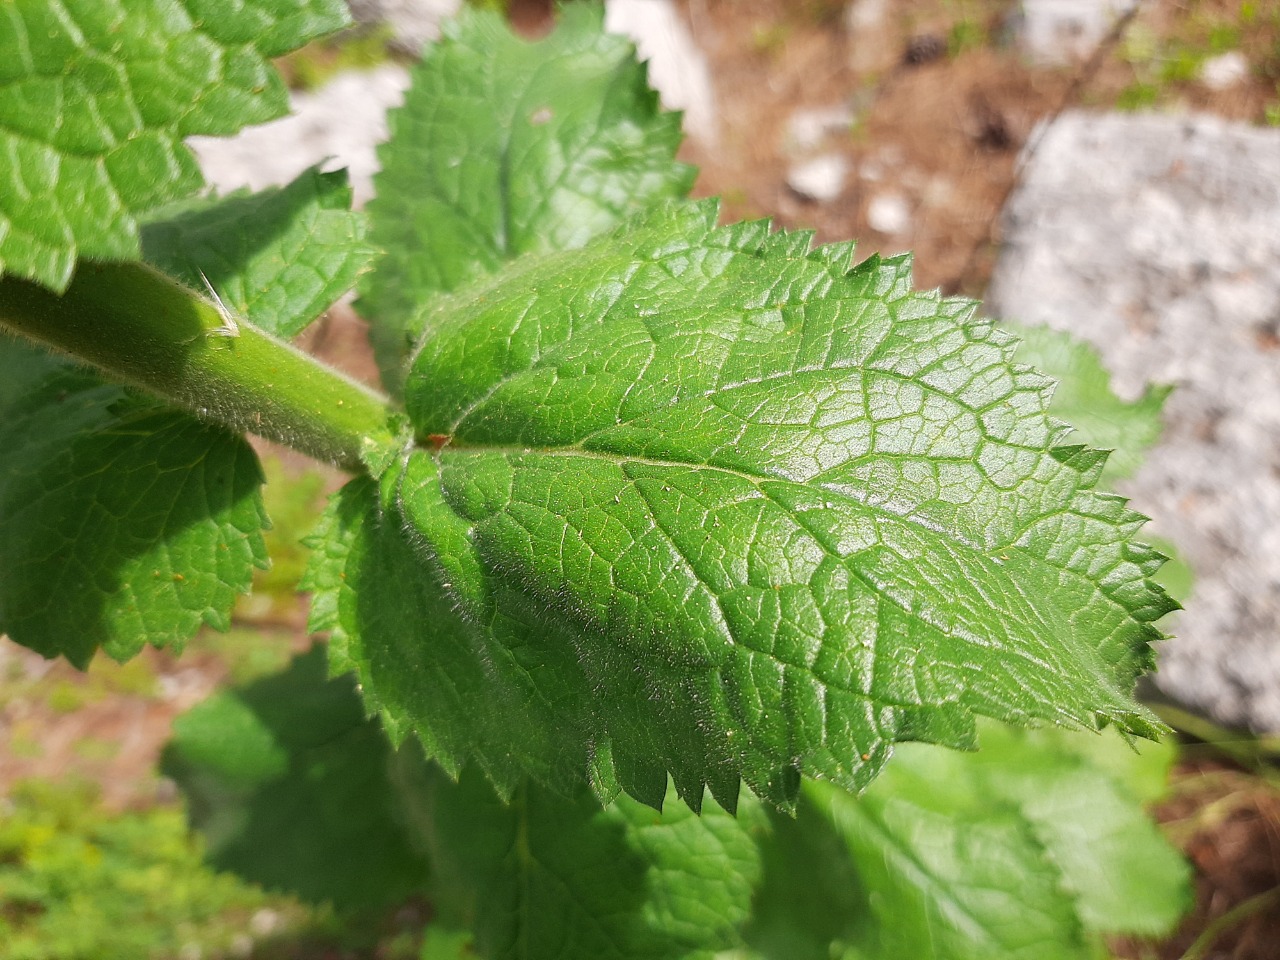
(1060, 715)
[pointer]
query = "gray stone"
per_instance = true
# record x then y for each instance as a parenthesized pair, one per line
(1061, 31)
(339, 125)
(412, 22)
(867, 25)
(889, 213)
(678, 69)
(1157, 238)
(821, 178)
(1224, 71)
(807, 128)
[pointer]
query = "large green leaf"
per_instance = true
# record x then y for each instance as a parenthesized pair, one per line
(278, 257)
(289, 783)
(506, 147)
(1032, 848)
(704, 501)
(96, 97)
(125, 522)
(554, 877)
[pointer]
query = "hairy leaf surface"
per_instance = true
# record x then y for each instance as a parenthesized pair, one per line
(279, 257)
(705, 501)
(506, 147)
(96, 97)
(125, 522)
(550, 877)
(289, 783)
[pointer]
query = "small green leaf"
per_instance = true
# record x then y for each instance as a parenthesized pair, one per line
(1030, 848)
(278, 258)
(505, 147)
(125, 522)
(96, 98)
(1123, 876)
(1084, 399)
(704, 501)
(948, 875)
(225, 738)
(303, 803)
(554, 877)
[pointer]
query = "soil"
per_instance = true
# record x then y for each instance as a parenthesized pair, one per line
(940, 120)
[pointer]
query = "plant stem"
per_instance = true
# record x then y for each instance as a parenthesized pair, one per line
(1240, 912)
(142, 328)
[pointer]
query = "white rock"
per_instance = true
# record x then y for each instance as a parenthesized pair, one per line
(1224, 71)
(819, 179)
(264, 922)
(866, 22)
(889, 213)
(340, 123)
(866, 15)
(806, 129)
(677, 67)
(412, 22)
(1157, 238)
(1061, 31)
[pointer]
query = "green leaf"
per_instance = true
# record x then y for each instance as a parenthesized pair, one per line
(706, 502)
(289, 783)
(1027, 849)
(441, 944)
(550, 877)
(279, 257)
(125, 522)
(1122, 875)
(1084, 399)
(505, 147)
(947, 876)
(96, 98)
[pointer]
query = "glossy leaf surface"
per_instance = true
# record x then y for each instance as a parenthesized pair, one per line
(704, 501)
(96, 97)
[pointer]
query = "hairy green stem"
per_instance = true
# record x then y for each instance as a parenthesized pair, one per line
(142, 328)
